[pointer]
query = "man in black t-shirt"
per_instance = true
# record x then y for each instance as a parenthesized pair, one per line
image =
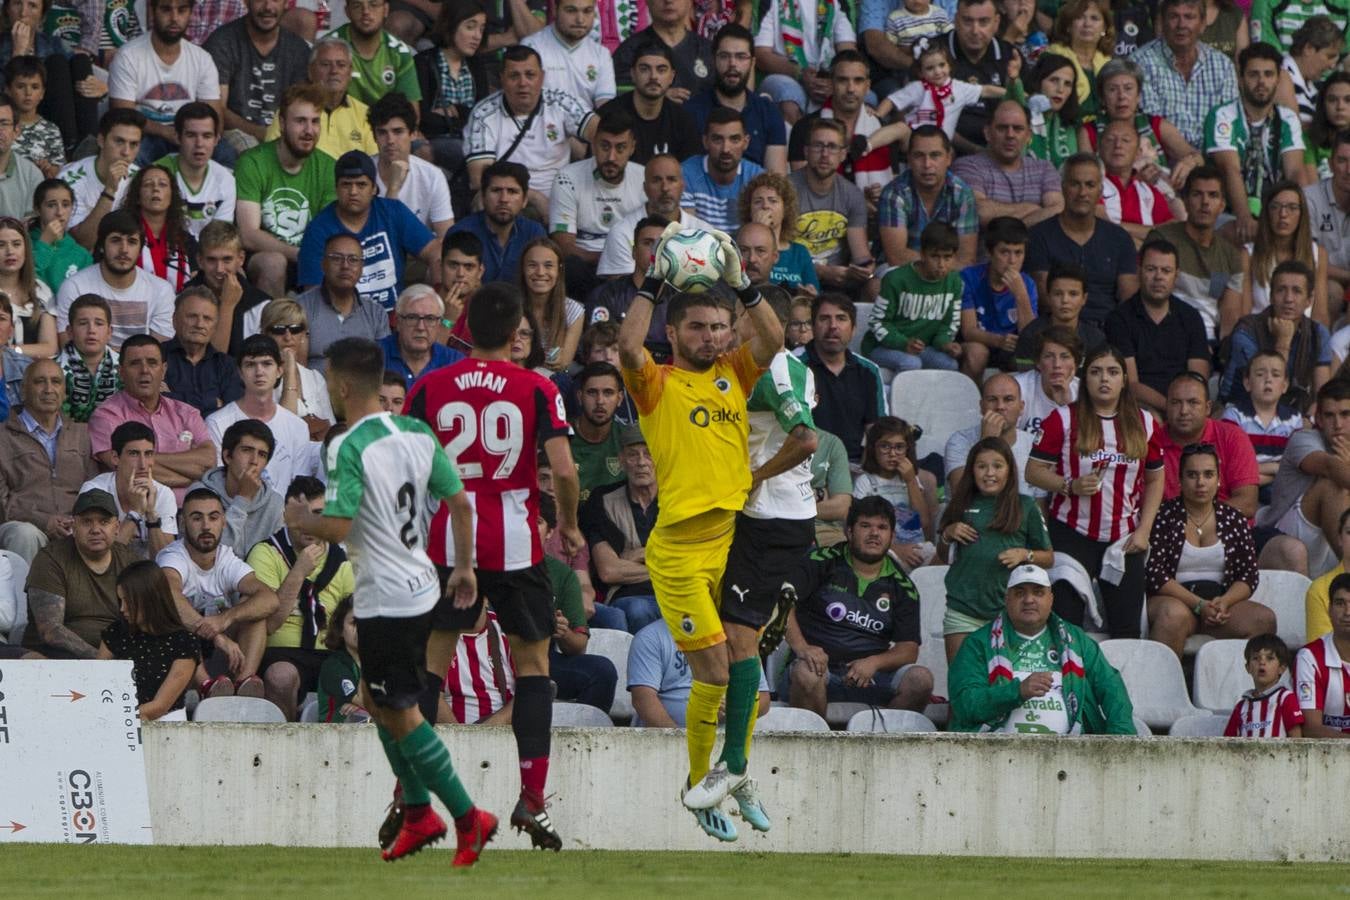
(854, 632)
(692, 53)
(979, 58)
(659, 125)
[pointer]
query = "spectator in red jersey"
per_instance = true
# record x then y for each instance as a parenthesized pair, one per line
(1269, 709)
(1202, 570)
(1321, 676)
(1101, 462)
(1130, 201)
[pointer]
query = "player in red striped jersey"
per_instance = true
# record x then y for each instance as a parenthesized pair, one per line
(1100, 459)
(1321, 675)
(493, 417)
(1269, 709)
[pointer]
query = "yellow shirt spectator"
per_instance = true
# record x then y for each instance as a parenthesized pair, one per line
(344, 128)
(1316, 602)
(271, 569)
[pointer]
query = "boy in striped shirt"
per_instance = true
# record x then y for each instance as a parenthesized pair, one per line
(1265, 420)
(1269, 709)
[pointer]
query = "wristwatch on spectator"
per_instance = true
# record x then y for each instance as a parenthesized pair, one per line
(151, 524)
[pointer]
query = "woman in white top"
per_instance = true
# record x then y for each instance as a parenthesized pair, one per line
(1202, 568)
(302, 390)
(1284, 232)
(559, 316)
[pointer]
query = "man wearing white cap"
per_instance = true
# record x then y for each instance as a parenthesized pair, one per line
(1031, 672)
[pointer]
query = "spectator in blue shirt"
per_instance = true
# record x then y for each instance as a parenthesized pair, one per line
(500, 226)
(1284, 327)
(411, 349)
(713, 181)
(387, 229)
(994, 308)
(734, 67)
(659, 679)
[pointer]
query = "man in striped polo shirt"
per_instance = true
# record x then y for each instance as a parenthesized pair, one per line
(1321, 675)
(714, 180)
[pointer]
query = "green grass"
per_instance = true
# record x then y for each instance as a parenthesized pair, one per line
(28, 870)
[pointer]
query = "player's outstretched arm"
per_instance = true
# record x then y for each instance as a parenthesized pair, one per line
(638, 319)
(767, 340)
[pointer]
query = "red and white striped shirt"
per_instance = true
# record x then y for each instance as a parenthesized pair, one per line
(1112, 512)
(493, 417)
(1322, 680)
(1270, 714)
(1135, 202)
(482, 676)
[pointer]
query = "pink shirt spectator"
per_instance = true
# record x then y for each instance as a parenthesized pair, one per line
(177, 426)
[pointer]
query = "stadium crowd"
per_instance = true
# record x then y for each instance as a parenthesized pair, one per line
(1126, 223)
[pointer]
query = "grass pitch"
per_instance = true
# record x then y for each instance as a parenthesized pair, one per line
(28, 870)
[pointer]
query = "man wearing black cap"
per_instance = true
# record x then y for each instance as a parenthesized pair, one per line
(141, 301)
(72, 586)
(387, 229)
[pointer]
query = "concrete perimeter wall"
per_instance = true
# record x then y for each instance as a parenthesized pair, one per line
(322, 785)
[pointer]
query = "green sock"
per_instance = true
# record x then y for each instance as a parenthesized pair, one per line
(427, 756)
(414, 791)
(742, 704)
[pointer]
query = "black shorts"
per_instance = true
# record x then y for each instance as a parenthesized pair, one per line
(394, 658)
(523, 601)
(306, 662)
(762, 552)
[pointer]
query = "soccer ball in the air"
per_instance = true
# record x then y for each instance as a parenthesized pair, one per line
(694, 259)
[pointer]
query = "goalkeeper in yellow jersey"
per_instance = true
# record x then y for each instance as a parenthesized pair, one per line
(693, 415)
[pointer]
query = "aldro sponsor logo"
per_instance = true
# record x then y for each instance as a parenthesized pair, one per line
(838, 612)
(702, 417)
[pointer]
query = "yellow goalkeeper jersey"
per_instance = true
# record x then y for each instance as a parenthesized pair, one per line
(697, 430)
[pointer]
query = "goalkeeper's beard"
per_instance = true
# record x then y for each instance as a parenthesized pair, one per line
(698, 357)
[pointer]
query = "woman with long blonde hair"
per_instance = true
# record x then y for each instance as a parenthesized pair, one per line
(1101, 461)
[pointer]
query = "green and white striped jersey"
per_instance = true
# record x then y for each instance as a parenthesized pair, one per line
(386, 474)
(782, 400)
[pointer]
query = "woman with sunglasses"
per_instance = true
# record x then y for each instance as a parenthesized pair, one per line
(34, 327)
(302, 391)
(1202, 569)
(1101, 461)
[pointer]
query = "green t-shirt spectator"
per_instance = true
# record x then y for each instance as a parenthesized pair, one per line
(54, 263)
(977, 581)
(910, 306)
(390, 70)
(566, 591)
(289, 202)
(339, 678)
(597, 464)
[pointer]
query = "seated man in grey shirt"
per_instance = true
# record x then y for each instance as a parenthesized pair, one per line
(1308, 495)
(1000, 407)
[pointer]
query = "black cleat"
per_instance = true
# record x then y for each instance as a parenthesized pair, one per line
(537, 826)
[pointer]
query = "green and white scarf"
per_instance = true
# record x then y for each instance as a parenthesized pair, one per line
(1071, 670)
(790, 20)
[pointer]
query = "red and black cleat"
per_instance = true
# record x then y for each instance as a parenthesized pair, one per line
(472, 840)
(421, 828)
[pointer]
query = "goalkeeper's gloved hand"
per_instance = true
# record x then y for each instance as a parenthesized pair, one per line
(733, 267)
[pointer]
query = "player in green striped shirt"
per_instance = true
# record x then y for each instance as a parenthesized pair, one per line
(382, 473)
